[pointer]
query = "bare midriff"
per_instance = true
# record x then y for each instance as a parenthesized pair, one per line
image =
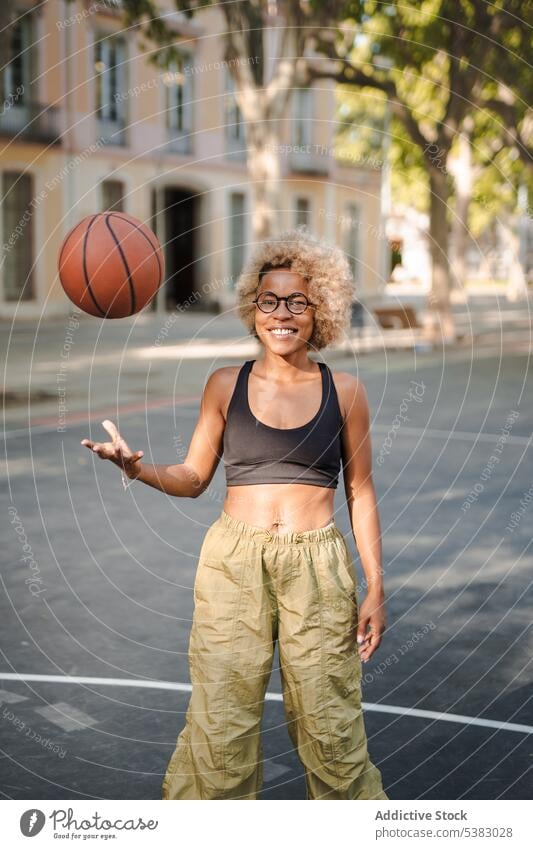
(281, 508)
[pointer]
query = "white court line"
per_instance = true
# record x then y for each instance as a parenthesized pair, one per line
(450, 717)
(272, 697)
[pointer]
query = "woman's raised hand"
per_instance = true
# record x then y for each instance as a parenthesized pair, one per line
(117, 451)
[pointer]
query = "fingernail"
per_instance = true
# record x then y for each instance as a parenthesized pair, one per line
(359, 638)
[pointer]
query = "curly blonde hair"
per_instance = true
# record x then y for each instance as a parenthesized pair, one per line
(325, 267)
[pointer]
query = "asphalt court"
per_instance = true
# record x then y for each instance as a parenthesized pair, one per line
(105, 592)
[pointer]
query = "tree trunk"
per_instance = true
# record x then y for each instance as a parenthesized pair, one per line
(441, 323)
(265, 180)
(516, 279)
(262, 107)
(461, 170)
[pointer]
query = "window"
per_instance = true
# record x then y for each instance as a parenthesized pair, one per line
(302, 116)
(303, 212)
(178, 105)
(352, 245)
(175, 99)
(17, 267)
(237, 234)
(178, 97)
(112, 195)
(16, 112)
(17, 74)
(111, 93)
(234, 126)
(20, 113)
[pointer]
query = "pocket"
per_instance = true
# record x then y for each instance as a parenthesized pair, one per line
(212, 584)
(347, 574)
(346, 569)
(210, 562)
(211, 549)
(221, 562)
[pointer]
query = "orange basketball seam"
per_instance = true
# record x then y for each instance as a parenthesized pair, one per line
(126, 266)
(154, 247)
(85, 274)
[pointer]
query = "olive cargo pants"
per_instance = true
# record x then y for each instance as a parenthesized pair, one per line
(251, 589)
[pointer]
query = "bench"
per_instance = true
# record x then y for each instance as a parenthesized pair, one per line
(402, 317)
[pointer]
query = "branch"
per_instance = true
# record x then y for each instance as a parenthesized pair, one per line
(510, 120)
(237, 50)
(352, 76)
(278, 90)
(452, 117)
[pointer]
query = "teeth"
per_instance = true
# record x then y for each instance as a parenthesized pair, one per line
(282, 332)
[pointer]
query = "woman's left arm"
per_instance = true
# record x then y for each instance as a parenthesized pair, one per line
(363, 510)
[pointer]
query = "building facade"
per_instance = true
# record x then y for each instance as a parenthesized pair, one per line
(88, 123)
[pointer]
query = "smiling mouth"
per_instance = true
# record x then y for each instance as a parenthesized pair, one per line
(282, 331)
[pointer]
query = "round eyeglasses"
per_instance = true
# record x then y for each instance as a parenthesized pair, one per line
(296, 302)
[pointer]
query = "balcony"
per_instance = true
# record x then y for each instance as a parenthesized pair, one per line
(178, 142)
(309, 159)
(235, 149)
(111, 132)
(33, 122)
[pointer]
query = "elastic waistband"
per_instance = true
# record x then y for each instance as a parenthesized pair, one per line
(330, 531)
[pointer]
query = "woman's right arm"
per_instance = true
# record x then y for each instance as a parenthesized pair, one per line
(190, 478)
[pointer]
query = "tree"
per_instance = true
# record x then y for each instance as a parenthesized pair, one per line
(488, 176)
(262, 94)
(438, 61)
(435, 60)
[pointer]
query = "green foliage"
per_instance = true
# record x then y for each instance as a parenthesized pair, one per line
(151, 21)
(496, 187)
(431, 55)
(363, 138)
(444, 61)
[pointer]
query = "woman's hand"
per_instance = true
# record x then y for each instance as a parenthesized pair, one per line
(371, 625)
(117, 451)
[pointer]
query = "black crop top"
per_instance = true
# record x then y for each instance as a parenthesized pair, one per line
(257, 453)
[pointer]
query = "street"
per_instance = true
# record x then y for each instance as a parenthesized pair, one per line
(98, 581)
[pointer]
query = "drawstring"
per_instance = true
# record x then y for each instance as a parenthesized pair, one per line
(271, 537)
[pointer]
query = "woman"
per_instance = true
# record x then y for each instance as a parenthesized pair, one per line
(274, 565)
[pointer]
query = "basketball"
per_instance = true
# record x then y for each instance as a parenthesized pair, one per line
(111, 265)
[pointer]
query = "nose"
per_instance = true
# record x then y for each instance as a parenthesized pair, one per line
(283, 304)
